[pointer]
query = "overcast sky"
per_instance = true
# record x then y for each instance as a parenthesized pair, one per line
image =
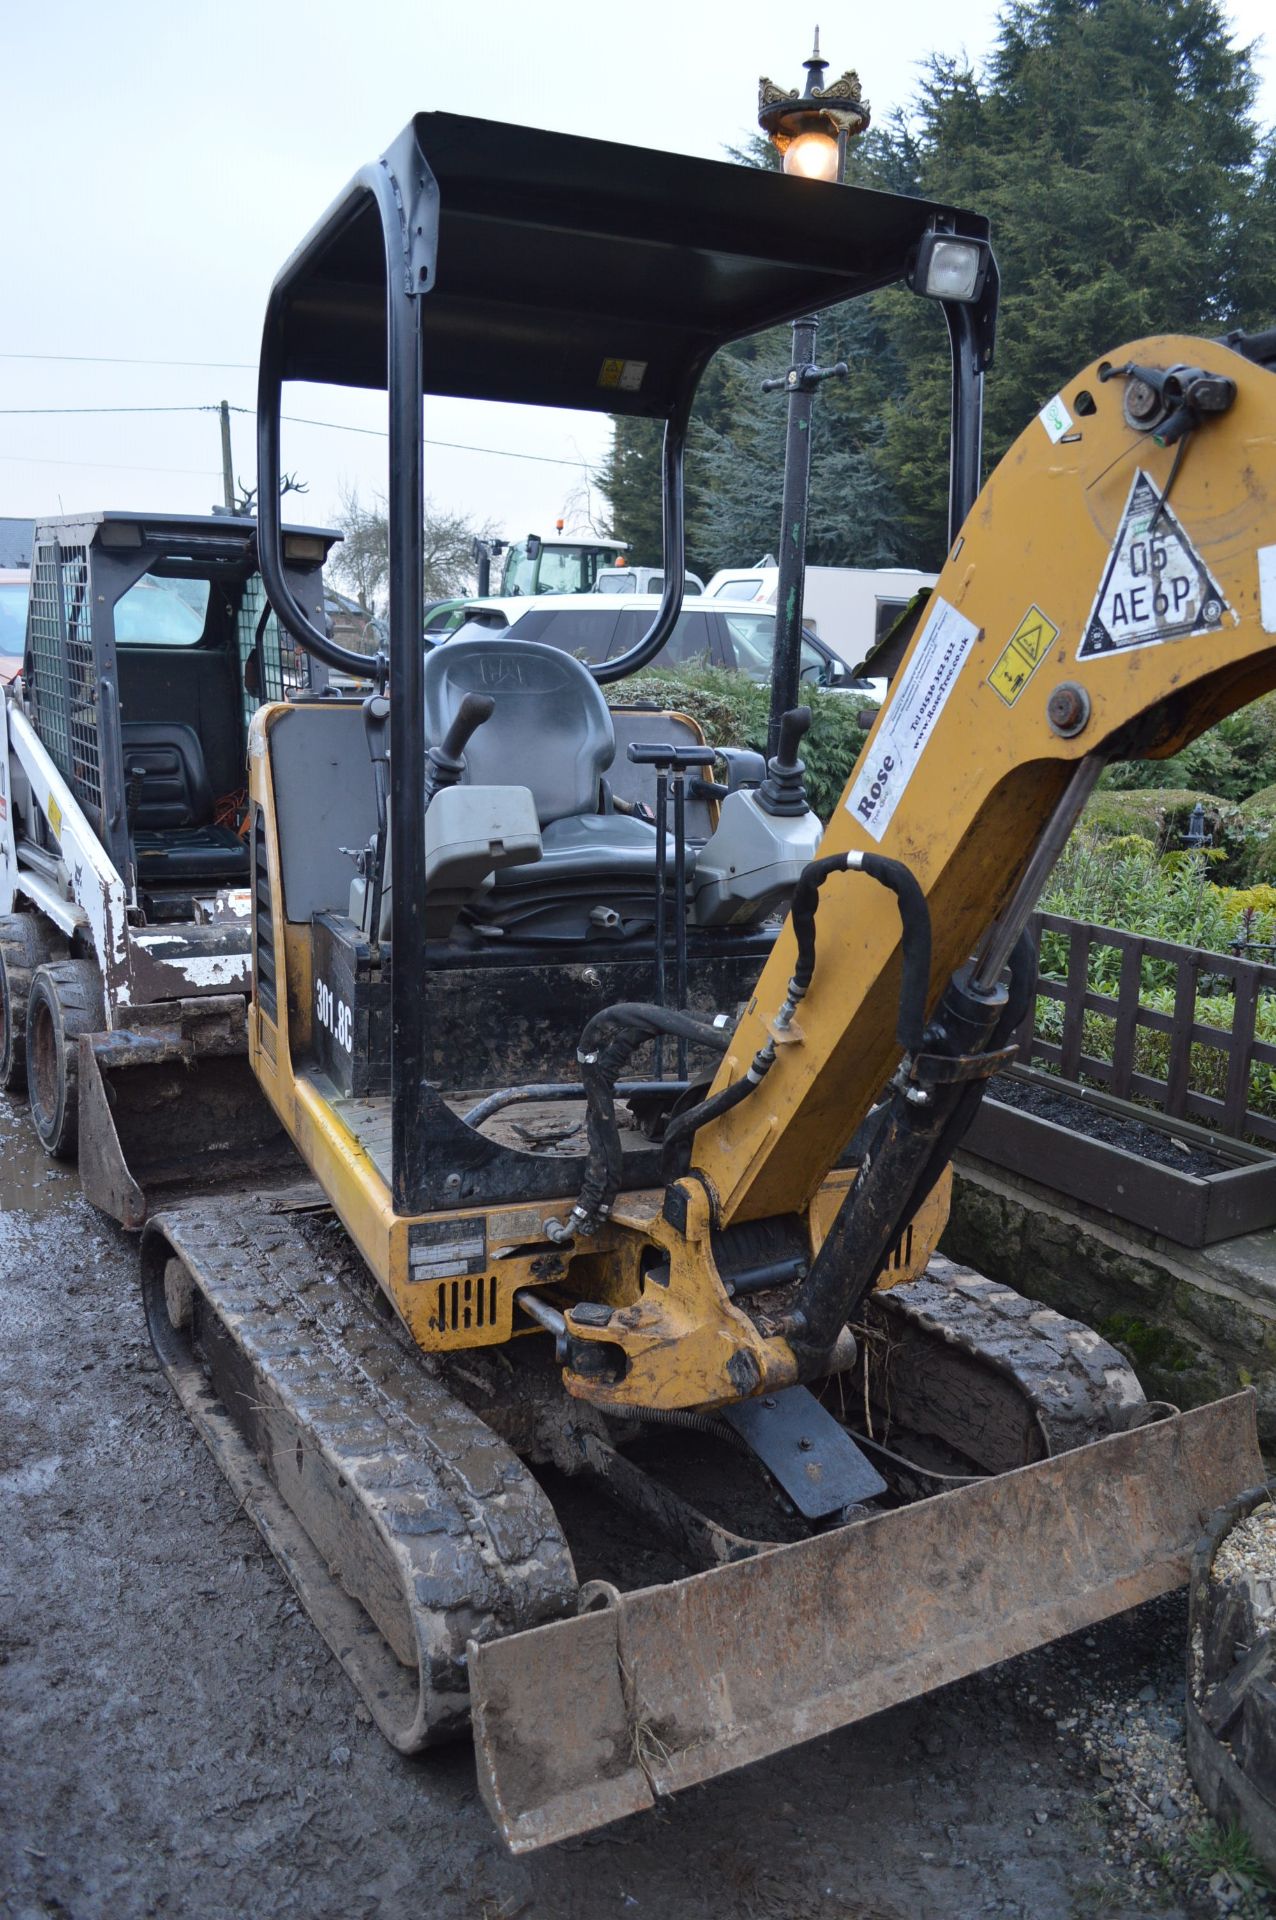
(160, 164)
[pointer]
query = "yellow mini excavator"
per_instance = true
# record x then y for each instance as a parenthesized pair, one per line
(626, 1094)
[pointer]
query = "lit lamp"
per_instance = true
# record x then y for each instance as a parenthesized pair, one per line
(810, 130)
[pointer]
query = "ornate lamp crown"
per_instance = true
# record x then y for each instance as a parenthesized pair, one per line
(839, 109)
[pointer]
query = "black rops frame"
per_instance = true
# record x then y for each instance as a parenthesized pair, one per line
(121, 547)
(562, 260)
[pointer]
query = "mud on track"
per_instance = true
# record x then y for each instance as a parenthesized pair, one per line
(176, 1740)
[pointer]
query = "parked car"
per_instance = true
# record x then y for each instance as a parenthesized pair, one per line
(15, 591)
(597, 627)
(851, 609)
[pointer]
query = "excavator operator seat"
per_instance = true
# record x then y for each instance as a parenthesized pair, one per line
(550, 731)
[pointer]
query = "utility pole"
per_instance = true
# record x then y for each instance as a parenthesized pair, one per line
(228, 466)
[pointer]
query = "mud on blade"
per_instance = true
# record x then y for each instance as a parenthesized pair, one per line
(582, 1721)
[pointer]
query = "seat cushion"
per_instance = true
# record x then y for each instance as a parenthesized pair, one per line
(601, 848)
(596, 879)
(194, 855)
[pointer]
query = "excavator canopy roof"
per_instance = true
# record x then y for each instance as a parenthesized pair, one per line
(579, 273)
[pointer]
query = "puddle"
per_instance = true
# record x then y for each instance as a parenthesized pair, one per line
(29, 1181)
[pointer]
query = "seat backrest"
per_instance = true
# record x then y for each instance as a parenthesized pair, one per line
(167, 759)
(550, 729)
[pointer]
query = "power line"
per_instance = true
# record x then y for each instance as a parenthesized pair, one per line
(293, 419)
(118, 360)
(14, 411)
(105, 466)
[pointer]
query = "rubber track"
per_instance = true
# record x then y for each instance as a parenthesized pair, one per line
(1078, 1386)
(475, 1542)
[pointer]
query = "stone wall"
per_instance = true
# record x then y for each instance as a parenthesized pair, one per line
(1196, 1324)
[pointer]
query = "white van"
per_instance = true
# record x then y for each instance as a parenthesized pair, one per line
(642, 580)
(850, 608)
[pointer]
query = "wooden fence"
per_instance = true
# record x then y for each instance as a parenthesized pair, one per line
(1119, 1072)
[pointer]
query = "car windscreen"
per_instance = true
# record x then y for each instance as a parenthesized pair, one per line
(752, 637)
(162, 613)
(583, 631)
(689, 640)
(14, 595)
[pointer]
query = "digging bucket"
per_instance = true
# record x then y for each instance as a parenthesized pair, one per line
(583, 1721)
(162, 1114)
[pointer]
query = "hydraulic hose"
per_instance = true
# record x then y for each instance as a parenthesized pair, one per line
(914, 916)
(608, 1042)
(685, 1124)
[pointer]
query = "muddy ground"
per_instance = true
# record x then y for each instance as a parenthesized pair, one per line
(176, 1740)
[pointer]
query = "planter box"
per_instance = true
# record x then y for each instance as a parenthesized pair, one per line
(1192, 1210)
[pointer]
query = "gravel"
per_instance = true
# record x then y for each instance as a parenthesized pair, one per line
(1250, 1550)
(178, 1742)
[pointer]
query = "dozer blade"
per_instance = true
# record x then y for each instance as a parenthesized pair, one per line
(161, 1116)
(582, 1721)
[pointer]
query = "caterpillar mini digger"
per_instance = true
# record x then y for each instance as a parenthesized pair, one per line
(849, 1471)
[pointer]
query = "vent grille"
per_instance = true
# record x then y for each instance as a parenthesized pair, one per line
(901, 1254)
(466, 1306)
(283, 667)
(62, 679)
(263, 922)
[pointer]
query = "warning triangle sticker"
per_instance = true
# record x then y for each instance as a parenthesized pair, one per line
(1156, 586)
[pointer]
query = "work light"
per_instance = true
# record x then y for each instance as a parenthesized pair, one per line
(949, 268)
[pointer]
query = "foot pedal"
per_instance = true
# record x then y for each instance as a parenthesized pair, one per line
(802, 1446)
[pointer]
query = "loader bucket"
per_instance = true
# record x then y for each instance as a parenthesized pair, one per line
(585, 1720)
(159, 1118)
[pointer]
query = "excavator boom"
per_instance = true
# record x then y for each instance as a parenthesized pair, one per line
(1108, 597)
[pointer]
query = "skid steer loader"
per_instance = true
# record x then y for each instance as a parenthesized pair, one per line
(590, 1231)
(125, 935)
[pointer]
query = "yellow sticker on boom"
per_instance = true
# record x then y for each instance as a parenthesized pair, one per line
(1023, 653)
(55, 816)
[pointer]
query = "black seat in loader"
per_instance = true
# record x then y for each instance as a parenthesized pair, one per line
(170, 805)
(550, 731)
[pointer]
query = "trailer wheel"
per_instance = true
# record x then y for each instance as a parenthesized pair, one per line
(27, 940)
(65, 1001)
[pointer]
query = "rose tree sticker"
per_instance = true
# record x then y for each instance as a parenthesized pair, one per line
(1156, 586)
(1026, 648)
(915, 705)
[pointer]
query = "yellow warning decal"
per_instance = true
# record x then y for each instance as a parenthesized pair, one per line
(1023, 653)
(628, 375)
(55, 816)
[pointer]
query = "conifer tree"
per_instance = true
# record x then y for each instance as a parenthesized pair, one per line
(1114, 147)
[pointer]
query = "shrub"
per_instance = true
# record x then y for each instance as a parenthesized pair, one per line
(1121, 881)
(733, 711)
(1162, 816)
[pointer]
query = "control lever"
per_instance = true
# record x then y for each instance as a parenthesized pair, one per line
(446, 763)
(783, 792)
(376, 725)
(668, 761)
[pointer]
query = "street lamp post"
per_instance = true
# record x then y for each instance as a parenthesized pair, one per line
(810, 130)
